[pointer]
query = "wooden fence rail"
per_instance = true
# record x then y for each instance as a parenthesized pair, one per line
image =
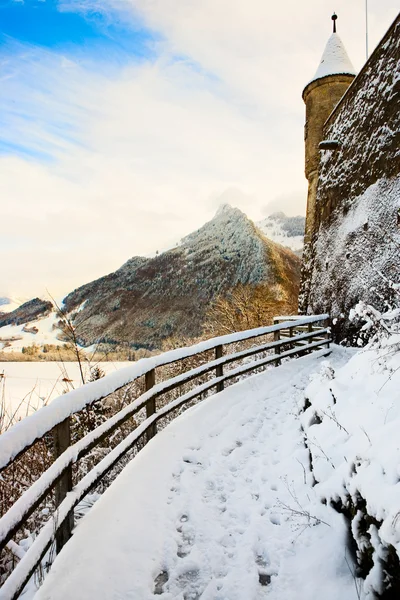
(292, 337)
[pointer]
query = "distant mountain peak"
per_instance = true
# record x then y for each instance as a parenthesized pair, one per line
(150, 299)
(228, 209)
(27, 312)
(10, 303)
(284, 230)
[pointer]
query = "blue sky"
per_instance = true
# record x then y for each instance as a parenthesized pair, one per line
(48, 24)
(100, 41)
(125, 123)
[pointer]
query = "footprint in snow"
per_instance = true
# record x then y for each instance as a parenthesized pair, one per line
(275, 519)
(262, 559)
(159, 583)
(187, 537)
(188, 583)
(182, 552)
(264, 578)
(227, 451)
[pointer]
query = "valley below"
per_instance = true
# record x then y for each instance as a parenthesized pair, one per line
(27, 386)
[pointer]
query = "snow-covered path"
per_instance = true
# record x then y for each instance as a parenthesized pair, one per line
(219, 506)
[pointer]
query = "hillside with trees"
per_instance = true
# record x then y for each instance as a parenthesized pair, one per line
(149, 300)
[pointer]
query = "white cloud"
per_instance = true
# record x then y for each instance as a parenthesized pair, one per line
(142, 156)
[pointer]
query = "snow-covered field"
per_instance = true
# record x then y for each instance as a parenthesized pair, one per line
(17, 338)
(26, 386)
(218, 506)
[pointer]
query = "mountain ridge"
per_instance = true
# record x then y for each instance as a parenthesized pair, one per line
(148, 300)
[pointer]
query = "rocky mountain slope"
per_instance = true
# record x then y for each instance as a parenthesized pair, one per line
(150, 299)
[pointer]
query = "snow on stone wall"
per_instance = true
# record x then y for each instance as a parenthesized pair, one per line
(357, 235)
(357, 251)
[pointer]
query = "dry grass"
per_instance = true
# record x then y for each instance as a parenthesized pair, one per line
(53, 353)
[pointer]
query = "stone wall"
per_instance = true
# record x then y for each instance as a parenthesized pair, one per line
(320, 97)
(356, 238)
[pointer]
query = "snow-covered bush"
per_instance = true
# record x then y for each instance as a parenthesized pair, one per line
(375, 326)
(351, 421)
(370, 322)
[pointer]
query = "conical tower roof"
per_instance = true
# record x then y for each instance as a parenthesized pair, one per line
(335, 60)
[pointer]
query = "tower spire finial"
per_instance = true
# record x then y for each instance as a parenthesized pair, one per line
(334, 17)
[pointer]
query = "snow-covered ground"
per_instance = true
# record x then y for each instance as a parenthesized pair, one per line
(352, 426)
(218, 506)
(26, 386)
(18, 338)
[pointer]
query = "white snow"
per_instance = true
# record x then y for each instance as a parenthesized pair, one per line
(27, 386)
(335, 59)
(10, 303)
(355, 441)
(272, 228)
(346, 243)
(47, 334)
(218, 501)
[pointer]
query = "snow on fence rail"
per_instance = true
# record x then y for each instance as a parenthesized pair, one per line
(299, 335)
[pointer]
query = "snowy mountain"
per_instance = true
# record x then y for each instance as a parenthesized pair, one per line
(287, 231)
(150, 299)
(26, 312)
(40, 331)
(32, 322)
(153, 298)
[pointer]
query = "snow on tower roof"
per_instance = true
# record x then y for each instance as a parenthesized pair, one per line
(334, 60)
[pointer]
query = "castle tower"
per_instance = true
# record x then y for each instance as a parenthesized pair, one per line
(332, 78)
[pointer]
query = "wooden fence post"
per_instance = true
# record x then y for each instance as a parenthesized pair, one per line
(150, 381)
(277, 337)
(327, 335)
(62, 441)
(310, 340)
(291, 345)
(219, 370)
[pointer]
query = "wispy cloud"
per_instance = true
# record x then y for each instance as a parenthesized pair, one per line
(105, 158)
(136, 162)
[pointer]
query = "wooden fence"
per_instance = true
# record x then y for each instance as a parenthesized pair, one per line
(289, 337)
